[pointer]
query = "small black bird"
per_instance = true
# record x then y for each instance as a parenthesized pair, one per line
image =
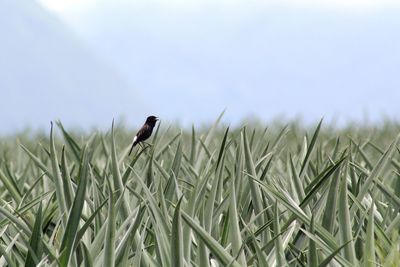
(145, 132)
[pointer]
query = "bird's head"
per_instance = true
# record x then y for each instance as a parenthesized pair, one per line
(151, 120)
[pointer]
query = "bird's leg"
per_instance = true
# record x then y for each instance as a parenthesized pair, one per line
(144, 148)
(148, 143)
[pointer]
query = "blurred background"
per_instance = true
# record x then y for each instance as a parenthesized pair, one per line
(86, 62)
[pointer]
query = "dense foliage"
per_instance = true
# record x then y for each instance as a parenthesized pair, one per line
(250, 196)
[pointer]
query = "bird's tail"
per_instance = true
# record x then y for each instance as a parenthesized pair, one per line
(133, 145)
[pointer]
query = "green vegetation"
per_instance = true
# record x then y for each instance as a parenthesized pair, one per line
(250, 196)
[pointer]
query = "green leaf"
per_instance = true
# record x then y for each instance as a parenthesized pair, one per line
(57, 179)
(117, 179)
(177, 239)
(309, 150)
(376, 172)
(234, 230)
(369, 256)
(312, 249)
(109, 242)
(255, 190)
(35, 243)
(87, 258)
(74, 217)
(280, 253)
(345, 231)
(216, 249)
(123, 248)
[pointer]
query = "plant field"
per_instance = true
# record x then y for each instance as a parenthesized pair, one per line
(249, 196)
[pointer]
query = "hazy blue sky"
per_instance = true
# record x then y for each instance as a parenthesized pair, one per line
(191, 59)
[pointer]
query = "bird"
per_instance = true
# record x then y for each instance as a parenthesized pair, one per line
(144, 132)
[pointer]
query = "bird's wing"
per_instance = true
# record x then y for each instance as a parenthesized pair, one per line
(142, 134)
(133, 144)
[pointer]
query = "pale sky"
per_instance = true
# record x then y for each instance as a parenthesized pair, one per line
(66, 7)
(325, 58)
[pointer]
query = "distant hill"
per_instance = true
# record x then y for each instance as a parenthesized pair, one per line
(47, 73)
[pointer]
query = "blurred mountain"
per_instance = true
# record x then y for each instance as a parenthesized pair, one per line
(47, 73)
